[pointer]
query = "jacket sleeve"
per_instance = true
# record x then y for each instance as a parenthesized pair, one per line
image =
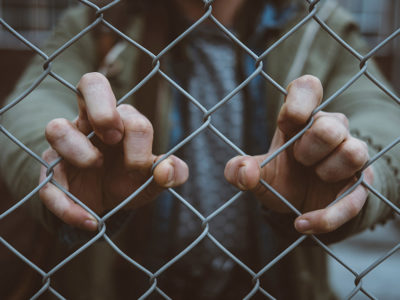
(27, 120)
(375, 118)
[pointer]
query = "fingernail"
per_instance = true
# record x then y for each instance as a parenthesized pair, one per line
(90, 224)
(171, 174)
(242, 178)
(112, 136)
(303, 226)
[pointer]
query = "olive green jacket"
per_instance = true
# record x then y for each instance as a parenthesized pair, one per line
(374, 117)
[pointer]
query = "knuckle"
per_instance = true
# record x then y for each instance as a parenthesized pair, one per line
(140, 126)
(89, 160)
(143, 163)
(328, 131)
(342, 118)
(126, 108)
(326, 224)
(65, 216)
(326, 174)
(134, 121)
(105, 118)
(295, 114)
(292, 114)
(355, 153)
(302, 155)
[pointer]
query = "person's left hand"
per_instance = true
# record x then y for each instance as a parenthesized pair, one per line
(312, 172)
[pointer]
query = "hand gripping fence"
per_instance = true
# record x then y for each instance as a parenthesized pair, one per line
(315, 16)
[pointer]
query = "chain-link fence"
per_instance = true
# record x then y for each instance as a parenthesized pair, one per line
(314, 21)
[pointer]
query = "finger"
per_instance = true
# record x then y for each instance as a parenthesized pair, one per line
(348, 158)
(327, 132)
(57, 202)
(330, 218)
(303, 96)
(243, 172)
(171, 172)
(97, 109)
(138, 139)
(72, 145)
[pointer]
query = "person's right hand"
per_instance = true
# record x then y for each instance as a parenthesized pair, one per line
(105, 170)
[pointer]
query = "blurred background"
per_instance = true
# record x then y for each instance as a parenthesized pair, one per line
(34, 19)
(377, 20)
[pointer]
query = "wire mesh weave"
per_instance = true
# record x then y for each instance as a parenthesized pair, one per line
(312, 16)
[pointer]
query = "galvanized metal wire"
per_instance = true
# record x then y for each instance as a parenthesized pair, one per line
(153, 287)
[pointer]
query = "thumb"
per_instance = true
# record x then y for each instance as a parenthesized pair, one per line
(243, 172)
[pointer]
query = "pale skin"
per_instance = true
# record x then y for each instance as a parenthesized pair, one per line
(105, 170)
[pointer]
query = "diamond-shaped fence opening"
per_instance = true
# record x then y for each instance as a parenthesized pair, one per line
(204, 239)
(371, 261)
